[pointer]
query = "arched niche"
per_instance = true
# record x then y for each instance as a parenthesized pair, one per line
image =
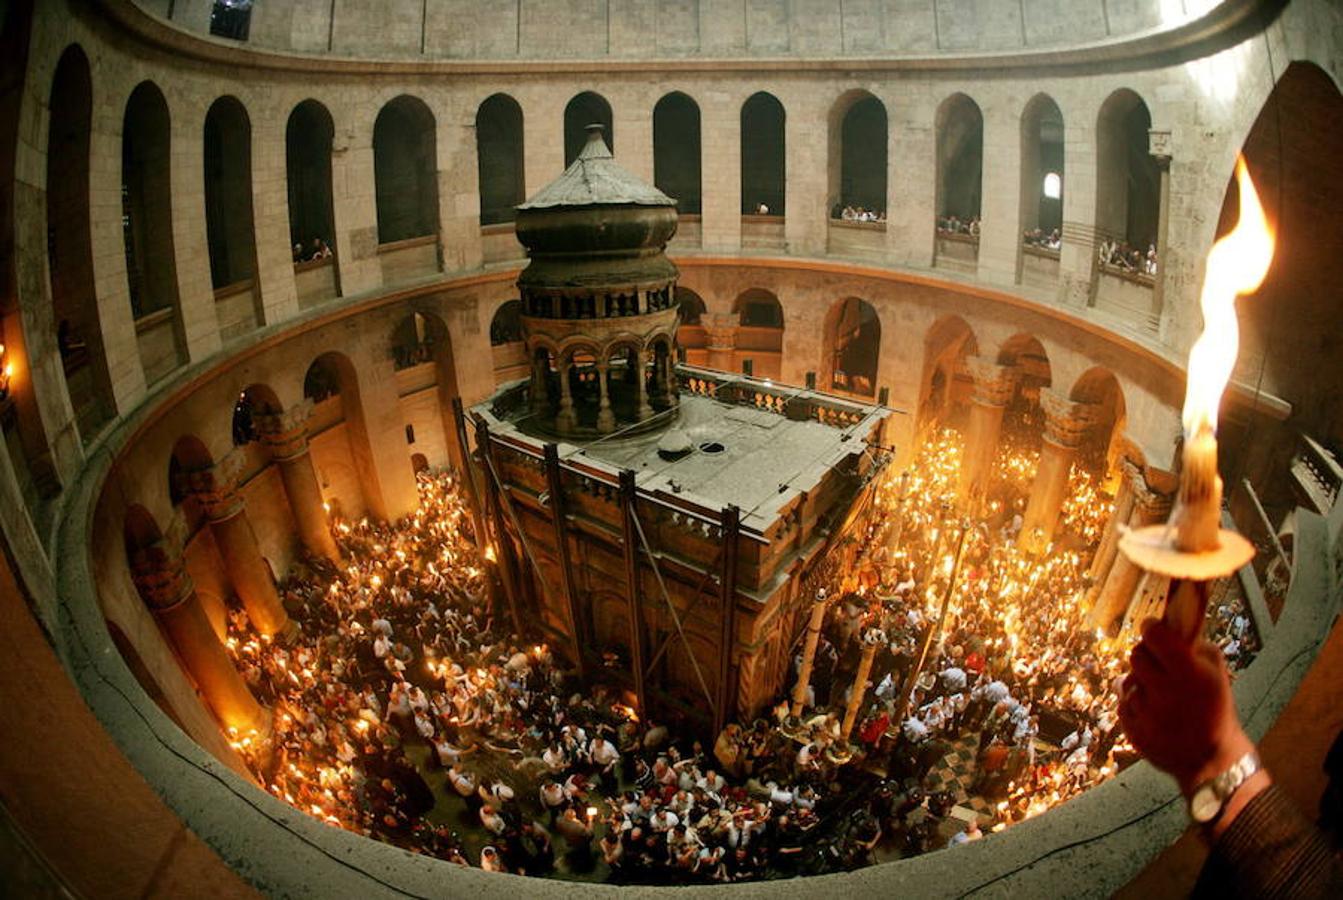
(944, 384)
(676, 151)
(405, 169)
(587, 108)
(763, 156)
(851, 348)
(70, 246)
(1042, 175)
(858, 155)
(499, 158)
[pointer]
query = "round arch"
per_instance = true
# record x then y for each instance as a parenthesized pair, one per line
(851, 348)
(405, 169)
(764, 185)
(499, 158)
(858, 155)
(943, 385)
(582, 110)
(676, 151)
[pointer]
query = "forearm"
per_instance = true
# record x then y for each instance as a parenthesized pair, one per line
(1265, 847)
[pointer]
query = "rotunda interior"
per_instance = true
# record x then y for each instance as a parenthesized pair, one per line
(528, 447)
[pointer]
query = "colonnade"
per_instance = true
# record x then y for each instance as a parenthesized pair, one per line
(657, 391)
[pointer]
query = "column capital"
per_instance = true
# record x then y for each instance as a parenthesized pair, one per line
(993, 384)
(1155, 494)
(159, 576)
(285, 433)
(1066, 421)
(1159, 145)
(216, 487)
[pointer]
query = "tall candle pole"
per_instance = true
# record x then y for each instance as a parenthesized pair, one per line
(1192, 549)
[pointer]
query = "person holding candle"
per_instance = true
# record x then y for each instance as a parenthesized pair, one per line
(1178, 710)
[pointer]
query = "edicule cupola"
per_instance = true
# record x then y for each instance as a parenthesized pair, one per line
(599, 299)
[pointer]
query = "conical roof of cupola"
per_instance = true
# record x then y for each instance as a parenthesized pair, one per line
(594, 179)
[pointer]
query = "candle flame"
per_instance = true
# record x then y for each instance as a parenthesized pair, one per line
(1237, 265)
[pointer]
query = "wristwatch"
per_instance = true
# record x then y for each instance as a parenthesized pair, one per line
(1209, 798)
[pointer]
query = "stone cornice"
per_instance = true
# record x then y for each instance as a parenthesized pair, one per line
(1225, 25)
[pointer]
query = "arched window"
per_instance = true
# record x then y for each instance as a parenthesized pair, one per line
(762, 156)
(960, 163)
(70, 246)
(228, 193)
(256, 400)
(1128, 183)
(853, 347)
(860, 188)
(308, 138)
(506, 326)
(322, 381)
(586, 109)
(147, 229)
(499, 158)
(405, 170)
(676, 151)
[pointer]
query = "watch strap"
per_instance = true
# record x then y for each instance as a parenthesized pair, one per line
(1222, 786)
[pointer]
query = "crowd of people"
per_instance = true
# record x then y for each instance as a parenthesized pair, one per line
(406, 711)
(1044, 240)
(952, 224)
(316, 249)
(1124, 257)
(848, 213)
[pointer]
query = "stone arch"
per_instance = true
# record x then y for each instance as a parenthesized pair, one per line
(253, 400)
(321, 382)
(499, 156)
(582, 110)
(151, 259)
(760, 324)
(308, 137)
(347, 407)
(851, 348)
(228, 192)
(677, 152)
(1023, 420)
(1290, 335)
(189, 456)
(960, 158)
(943, 383)
(70, 245)
(691, 335)
(858, 131)
(507, 347)
(1128, 181)
(405, 170)
(1098, 450)
(763, 155)
(1041, 156)
(422, 337)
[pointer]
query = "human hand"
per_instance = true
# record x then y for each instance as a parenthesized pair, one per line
(1177, 707)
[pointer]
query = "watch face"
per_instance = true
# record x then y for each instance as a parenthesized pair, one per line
(1204, 805)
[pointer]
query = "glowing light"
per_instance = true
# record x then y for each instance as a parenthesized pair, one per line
(1053, 186)
(1237, 265)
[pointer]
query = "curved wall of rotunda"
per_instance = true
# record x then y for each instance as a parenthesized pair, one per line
(156, 199)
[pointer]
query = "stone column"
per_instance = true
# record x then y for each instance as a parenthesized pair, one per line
(565, 418)
(722, 333)
(216, 489)
(809, 653)
(354, 200)
(1066, 423)
(191, 246)
(459, 240)
(992, 390)
(275, 283)
(645, 410)
(1130, 475)
(606, 420)
(1077, 254)
(1158, 143)
(540, 394)
(806, 164)
(286, 436)
(720, 172)
(170, 595)
(1000, 216)
(1150, 507)
(872, 641)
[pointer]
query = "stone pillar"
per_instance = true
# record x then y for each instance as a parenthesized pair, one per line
(1066, 423)
(872, 641)
(354, 200)
(1077, 254)
(720, 171)
(1151, 506)
(1158, 143)
(992, 390)
(540, 394)
(565, 418)
(809, 653)
(216, 489)
(606, 420)
(191, 246)
(910, 217)
(806, 164)
(1130, 475)
(275, 283)
(722, 333)
(645, 410)
(459, 242)
(1000, 215)
(170, 595)
(286, 436)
